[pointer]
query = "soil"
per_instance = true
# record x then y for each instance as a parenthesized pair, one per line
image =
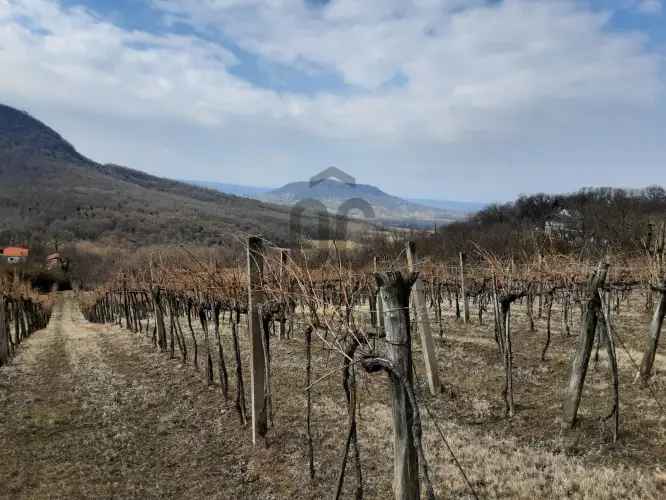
(89, 412)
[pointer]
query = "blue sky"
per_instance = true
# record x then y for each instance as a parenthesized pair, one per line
(624, 16)
(458, 99)
(261, 71)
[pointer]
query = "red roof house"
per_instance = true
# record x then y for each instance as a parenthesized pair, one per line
(15, 255)
(16, 252)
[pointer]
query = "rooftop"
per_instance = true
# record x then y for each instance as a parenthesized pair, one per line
(16, 252)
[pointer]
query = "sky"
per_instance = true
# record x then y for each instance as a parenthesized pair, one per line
(478, 100)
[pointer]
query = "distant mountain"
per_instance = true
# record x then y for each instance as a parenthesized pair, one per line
(388, 209)
(464, 207)
(48, 189)
(454, 209)
(235, 189)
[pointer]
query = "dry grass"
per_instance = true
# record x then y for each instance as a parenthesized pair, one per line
(118, 418)
(524, 457)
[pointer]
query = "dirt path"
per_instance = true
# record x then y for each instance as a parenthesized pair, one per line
(89, 414)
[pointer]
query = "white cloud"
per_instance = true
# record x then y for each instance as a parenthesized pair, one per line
(481, 82)
(649, 6)
(465, 66)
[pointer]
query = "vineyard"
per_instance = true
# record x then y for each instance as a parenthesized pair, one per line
(332, 249)
(481, 378)
(22, 312)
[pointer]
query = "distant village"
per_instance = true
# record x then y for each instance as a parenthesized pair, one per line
(16, 255)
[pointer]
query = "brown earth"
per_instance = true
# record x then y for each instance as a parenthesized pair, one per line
(88, 413)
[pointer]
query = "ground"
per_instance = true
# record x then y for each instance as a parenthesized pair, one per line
(94, 411)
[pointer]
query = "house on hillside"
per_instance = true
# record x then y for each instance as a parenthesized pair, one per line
(53, 261)
(565, 224)
(15, 255)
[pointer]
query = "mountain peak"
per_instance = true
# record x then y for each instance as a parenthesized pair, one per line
(329, 188)
(23, 134)
(333, 194)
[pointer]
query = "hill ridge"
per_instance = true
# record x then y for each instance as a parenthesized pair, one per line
(50, 190)
(20, 131)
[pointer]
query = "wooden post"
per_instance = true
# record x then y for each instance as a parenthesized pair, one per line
(427, 344)
(282, 331)
(581, 359)
(4, 333)
(653, 338)
(378, 306)
(394, 291)
(463, 289)
(540, 291)
(508, 360)
(255, 269)
(159, 319)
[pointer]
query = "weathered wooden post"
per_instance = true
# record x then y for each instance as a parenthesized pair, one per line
(255, 269)
(653, 337)
(463, 289)
(159, 318)
(18, 331)
(372, 299)
(508, 361)
(378, 305)
(581, 359)
(126, 307)
(4, 333)
(284, 256)
(427, 344)
(394, 291)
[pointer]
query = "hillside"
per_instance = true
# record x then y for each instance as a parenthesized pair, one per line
(463, 207)
(582, 223)
(234, 189)
(49, 190)
(388, 209)
(24, 137)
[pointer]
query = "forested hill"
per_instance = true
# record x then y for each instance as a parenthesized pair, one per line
(584, 221)
(49, 190)
(22, 136)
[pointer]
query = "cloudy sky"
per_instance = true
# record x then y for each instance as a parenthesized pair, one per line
(454, 99)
